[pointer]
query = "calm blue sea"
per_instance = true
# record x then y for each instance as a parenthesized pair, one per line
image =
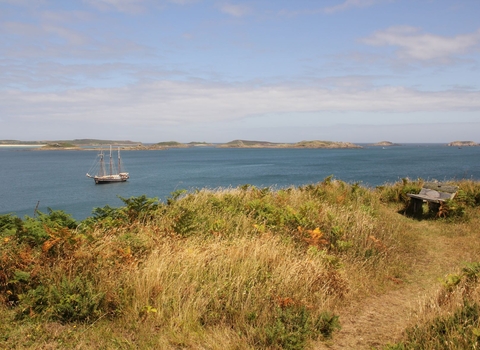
(57, 178)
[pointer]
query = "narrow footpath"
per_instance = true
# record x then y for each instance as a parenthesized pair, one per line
(381, 319)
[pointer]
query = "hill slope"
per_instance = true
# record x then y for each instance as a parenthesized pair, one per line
(326, 265)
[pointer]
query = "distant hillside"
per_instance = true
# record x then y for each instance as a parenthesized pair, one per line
(302, 144)
(17, 142)
(77, 142)
(134, 145)
(251, 144)
(385, 144)
(462, 144)
(325, 144)
(171, 144)
(60, 145)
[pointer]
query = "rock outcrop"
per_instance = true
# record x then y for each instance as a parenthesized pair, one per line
(462, 144)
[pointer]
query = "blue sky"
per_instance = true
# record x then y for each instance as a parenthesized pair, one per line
(215, 71)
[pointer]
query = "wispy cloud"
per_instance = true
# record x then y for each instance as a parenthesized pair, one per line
(183, 2)
(25, 3)
(50, 39)
(127, 6)
(344, 6)
(234, 9)
(68, 17)
(177, 103)
(349, 4)
(413, 44)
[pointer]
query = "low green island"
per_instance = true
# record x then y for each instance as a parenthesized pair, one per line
(302, 144)
(324, 265)
(385, 144)
(94, 144)
(463, 144)
(132, 145)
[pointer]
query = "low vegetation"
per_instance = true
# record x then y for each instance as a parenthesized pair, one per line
(170, 144)
(237, 268)
(451, 319)
(301, 144)
(60, 145)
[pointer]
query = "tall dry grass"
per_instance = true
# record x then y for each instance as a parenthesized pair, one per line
(233, 268)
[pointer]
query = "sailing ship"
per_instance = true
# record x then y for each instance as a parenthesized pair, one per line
(113, 174)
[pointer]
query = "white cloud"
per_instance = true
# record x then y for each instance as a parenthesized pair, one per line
(177, 103)
(25, 3)
(127, 6)
(183, 2)
(71, 37)
(20, 29)
(49, 40)
(134, 6)
(67, 17)
(348, 4)
(413, 44)
(344, 6)
(234, 10)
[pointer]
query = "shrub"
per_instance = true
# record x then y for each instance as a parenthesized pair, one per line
(397, 192)
(459, 328)
(68, 300)
(326, 324)
(457, 331)
(34, 231)
(293, 326)
(9, 225)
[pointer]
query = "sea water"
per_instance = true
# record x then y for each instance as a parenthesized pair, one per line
(56, 179)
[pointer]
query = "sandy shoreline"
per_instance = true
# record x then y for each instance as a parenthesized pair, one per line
(19, 145)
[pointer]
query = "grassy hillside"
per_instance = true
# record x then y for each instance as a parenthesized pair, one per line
(76, 142)
(328, 265)
(302, 144)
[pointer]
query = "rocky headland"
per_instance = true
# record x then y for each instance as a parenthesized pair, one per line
(385, 144)
(301, 144)
(462, 144)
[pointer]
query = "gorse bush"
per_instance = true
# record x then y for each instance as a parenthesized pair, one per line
(68, 300)
(9, 225)
(290, 328)
(34, 231)
(24, 244)
(397, 193)
(136, 209)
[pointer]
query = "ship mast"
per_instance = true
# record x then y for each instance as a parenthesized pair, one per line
(111, 164)
(119, 162)
(102, 165)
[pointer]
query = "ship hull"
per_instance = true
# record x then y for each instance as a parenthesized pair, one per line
(102, 182)
(99, 180)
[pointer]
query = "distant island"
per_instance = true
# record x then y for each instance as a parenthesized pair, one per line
(93, 144)
(302, 144)
(385, 144)
(66, 144)
(462, 144)
(75, 142)
(171, 144)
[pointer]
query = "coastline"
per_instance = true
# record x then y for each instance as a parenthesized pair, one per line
(87, 145)
(20, 145)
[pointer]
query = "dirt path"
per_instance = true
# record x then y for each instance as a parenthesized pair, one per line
(380, 320)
